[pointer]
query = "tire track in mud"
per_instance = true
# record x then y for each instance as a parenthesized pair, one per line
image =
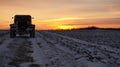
(22, 52)
(5, 53)
(39, 57)
(15, 52)
(54, 56)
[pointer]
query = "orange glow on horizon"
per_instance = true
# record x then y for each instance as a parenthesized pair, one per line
(65, 27)
(69, 23)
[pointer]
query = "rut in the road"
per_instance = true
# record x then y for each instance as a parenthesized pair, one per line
(21, 49)
(50, 55)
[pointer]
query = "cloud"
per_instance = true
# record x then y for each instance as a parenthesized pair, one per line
(94, 21)
(72, 5)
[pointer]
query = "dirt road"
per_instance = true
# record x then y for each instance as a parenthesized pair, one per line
(53, 50)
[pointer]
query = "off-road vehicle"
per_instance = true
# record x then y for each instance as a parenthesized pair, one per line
(22, 26)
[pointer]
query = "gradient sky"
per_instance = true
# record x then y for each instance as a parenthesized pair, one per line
(63, 14)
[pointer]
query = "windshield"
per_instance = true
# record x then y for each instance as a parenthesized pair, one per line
(23, 19)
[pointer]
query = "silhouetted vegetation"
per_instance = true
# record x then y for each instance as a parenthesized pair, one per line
(87, 28)
(94, 27)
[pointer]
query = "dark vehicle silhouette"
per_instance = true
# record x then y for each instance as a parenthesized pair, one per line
(22, 26)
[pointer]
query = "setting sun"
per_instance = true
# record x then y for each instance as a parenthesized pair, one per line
(64, 27)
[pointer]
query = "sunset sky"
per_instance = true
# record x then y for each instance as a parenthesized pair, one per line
(62, 14)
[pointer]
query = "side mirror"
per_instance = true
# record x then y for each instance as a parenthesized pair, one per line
(32, 17)
(12, 17)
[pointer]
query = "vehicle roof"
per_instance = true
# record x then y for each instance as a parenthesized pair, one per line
(22, 15)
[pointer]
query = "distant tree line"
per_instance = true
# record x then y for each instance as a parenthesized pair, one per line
(94, 27)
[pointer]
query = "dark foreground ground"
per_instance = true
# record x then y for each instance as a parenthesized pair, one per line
(76, 48)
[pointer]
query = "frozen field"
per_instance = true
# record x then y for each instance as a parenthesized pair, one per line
(100, 37)
(61, 49)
